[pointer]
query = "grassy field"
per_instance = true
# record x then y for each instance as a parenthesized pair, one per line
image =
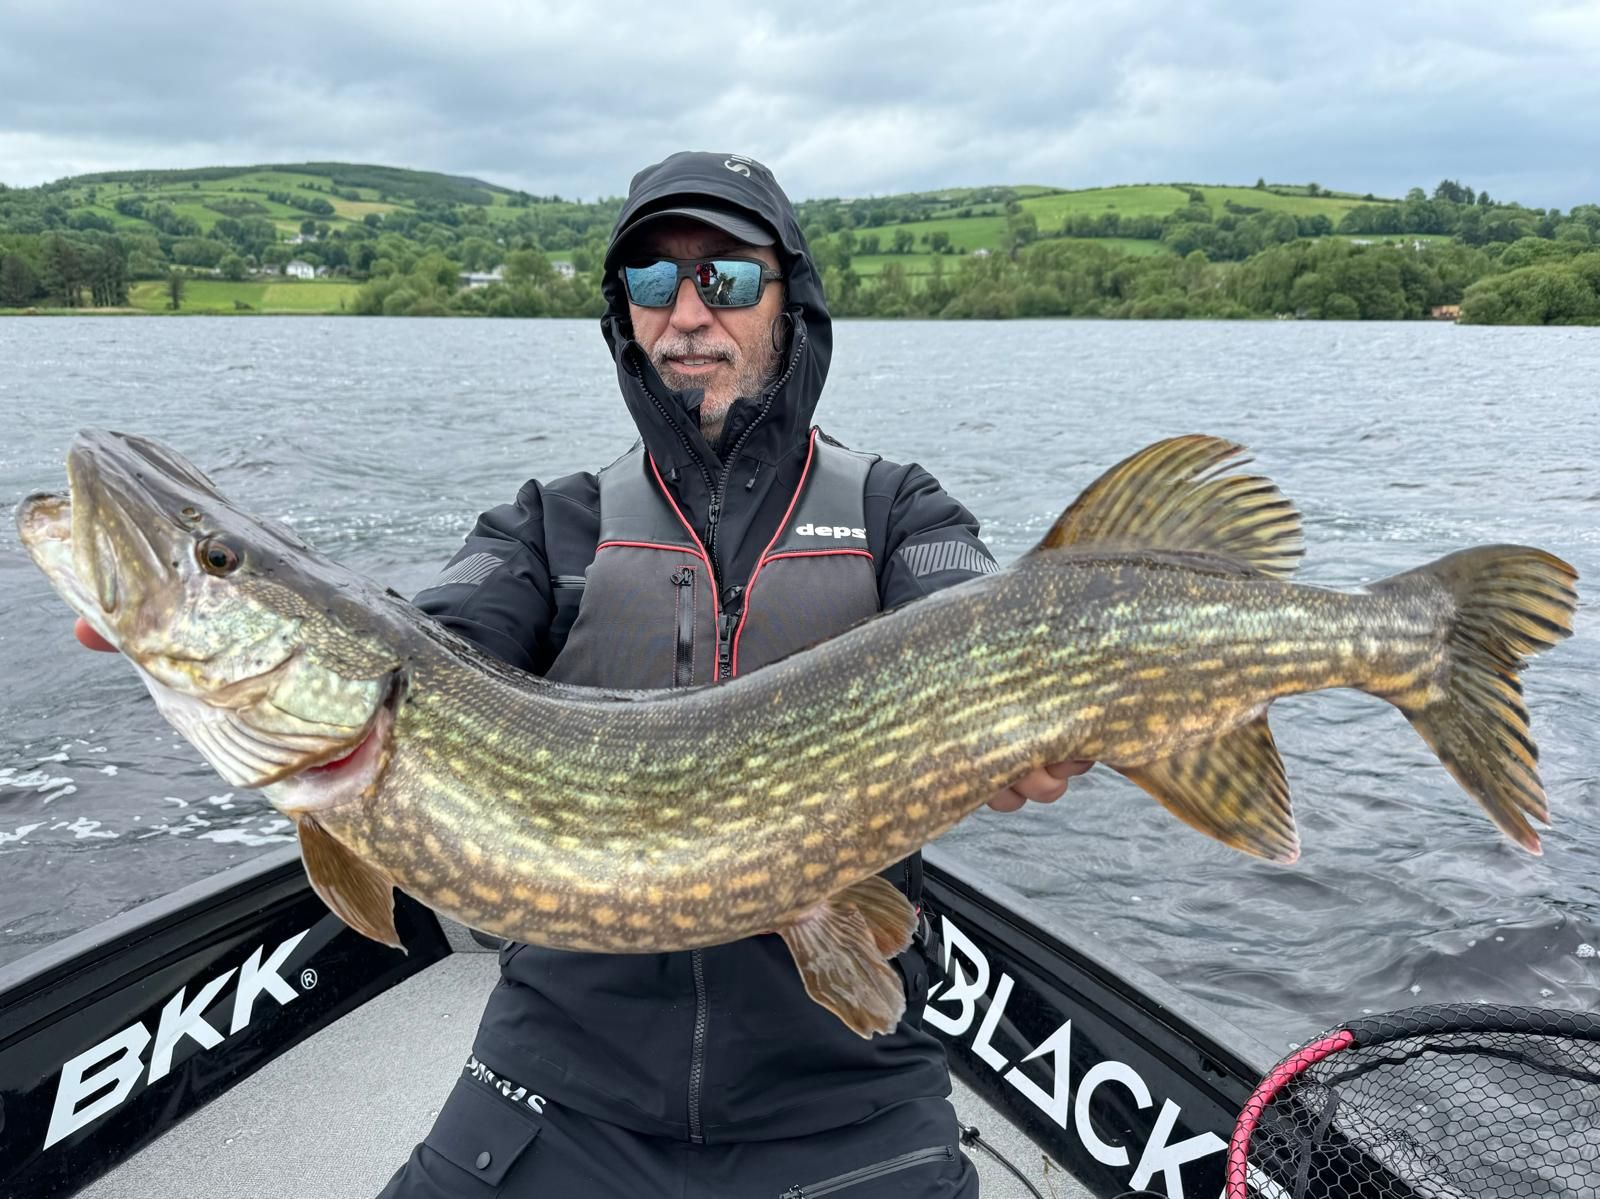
(1138, 200)
(190, 198)
(920, 265)
(305, 296)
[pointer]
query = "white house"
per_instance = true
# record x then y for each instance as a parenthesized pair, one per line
(564, 269)
(474, 279)
(300, 270)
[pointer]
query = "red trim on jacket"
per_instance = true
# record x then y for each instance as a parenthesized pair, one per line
(645, 545)
(711, 575)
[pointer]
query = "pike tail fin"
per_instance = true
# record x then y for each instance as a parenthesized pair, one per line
(1511, 602)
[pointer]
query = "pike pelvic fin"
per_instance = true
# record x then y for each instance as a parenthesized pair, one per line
(360, 895)
(1232, 788)
(842, 948)
(1511, 602)
(1174, 497)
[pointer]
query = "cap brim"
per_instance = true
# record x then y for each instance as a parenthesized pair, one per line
(731, 223)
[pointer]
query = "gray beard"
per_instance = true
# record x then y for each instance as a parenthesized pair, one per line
(754, 374)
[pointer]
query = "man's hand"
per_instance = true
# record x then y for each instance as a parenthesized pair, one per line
(92, 640)
(1044, 785)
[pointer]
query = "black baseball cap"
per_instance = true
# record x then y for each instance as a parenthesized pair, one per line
(724, 217)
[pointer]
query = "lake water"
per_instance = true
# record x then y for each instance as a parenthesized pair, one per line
(379, 440)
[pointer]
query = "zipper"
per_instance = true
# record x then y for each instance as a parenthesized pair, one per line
(573, 581)
(683, 655)
(839, 1182)
(697, 1061)
(726, 624)
(733, 454)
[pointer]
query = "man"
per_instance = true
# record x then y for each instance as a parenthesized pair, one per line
(730, 535)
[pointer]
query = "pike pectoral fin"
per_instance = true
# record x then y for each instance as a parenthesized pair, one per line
(1173, 497)
(1232, 788)
(842, 948)
(359, 894)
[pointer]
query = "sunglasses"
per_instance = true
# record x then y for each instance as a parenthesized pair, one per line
(721, 282)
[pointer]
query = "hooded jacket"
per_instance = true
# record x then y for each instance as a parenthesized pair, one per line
(721, 1044)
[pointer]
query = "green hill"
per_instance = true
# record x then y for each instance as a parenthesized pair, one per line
(387, 240)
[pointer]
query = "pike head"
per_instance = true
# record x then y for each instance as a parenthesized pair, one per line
(277, 664)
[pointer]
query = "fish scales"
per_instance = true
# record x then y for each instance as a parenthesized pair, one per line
(1150, 630)
(842, 697)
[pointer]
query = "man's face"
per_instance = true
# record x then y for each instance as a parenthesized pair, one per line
(727, 352)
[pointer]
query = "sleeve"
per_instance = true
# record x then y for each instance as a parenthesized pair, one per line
(496, 591)
(925, 539)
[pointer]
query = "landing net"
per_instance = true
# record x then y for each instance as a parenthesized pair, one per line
(1448, 1101)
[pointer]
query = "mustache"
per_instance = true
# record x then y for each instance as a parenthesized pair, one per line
(690, 347)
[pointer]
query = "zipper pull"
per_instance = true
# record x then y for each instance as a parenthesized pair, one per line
(795, 1192)
(726, 623)
(683, 576)
(715, 512)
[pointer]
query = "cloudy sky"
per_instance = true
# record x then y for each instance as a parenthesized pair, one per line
(839, 98)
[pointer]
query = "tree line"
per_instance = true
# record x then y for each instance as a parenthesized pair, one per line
(1505, 264)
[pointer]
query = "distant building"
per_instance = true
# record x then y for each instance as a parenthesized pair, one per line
(565, 269)
(980, 252)
(323, 272)
(1446, 312)
(302, 238)
(300, 269)
(268, 268)
(476, 279)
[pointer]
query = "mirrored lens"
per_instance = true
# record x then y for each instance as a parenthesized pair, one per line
(729, 284)
(652, 285)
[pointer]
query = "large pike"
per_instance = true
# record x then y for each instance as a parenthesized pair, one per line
(1149, 630)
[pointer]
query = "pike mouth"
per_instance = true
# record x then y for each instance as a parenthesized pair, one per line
(44, 516)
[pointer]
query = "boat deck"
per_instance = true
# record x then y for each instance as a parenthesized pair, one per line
(337, 1115)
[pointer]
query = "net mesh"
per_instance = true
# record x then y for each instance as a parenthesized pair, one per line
(1442, 1102)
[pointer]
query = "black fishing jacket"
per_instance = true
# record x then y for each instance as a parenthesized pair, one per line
(721, 1044)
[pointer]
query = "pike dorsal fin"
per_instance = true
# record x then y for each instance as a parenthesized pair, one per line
(360, 895)
(1232, 788)
(843, 947)
(1174, 497)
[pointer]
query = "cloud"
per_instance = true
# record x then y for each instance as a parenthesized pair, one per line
(840, 98)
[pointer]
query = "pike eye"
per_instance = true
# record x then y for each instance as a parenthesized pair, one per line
(216, 556)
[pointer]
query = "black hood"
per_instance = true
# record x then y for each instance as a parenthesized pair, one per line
(768, 428)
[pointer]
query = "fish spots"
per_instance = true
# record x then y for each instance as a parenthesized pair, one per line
(781, 790)
(887, 758)
(485, 892)
(736, 801)
(604, 916)
(700, 891)
(916, 811)
(681, 922)
(750, 880)
(816, 840)
(876, 823)
(1150, 674)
